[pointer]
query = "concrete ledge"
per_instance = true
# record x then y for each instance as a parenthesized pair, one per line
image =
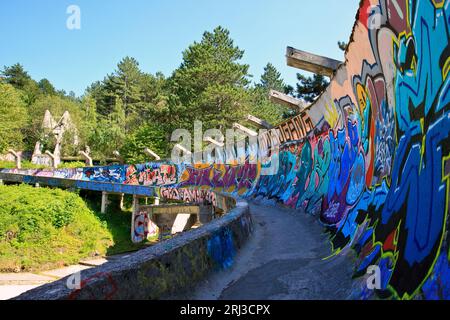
(163, 269)
(311, 62)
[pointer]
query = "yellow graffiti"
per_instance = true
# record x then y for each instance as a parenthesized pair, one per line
(331, 115)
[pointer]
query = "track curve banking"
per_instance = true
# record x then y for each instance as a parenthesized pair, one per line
(369, 159)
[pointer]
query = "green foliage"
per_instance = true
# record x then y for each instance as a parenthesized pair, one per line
(72, 164)
(42, 228)
(309, 88)
(123, 84)
(149, 136)
(13, 117)
(46, 87)
(262, 107)
(271, 79)
(210, 85)
(342, 45)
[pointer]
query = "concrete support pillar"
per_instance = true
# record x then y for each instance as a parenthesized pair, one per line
(156, 201)
(1, 182)
(104, 202)
(151, 153)
(17, 158)
(135, 204)
(55, 160)
(37, 185)
(121, 201)
(87, 158)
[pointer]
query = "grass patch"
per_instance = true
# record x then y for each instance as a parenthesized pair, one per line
(28, 165)
(118, 222)
(25, 165)
(43, 228)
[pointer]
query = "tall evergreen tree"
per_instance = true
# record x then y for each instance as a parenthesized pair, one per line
(46, 87)
(16, 76)
(308, 88)
(271, 79)
(262, 107)
(123, 83)
(13, 118)
(210, 85)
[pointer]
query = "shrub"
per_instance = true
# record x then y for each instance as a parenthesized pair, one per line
(42, 228)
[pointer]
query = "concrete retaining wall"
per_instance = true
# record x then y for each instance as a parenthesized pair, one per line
(163, 269)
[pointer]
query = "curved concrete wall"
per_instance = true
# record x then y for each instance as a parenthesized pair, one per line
(163, 269)
(375, 166)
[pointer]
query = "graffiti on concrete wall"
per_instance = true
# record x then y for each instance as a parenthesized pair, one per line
(221, 248)
(188, 195)
(142, 226)
(376, 164)
(151, 174)
(237, 179)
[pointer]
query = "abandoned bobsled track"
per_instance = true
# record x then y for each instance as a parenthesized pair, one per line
(369, 160)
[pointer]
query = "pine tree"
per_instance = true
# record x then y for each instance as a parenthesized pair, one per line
(123, 83)
(271, 79)
(309, 88)
(13, 117)
(46, 87)
(210, 85)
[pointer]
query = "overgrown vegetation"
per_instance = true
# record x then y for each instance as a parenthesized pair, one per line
(29, 165)
(43, 228)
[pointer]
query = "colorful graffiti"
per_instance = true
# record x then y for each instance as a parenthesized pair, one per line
(221, 248)
(236, 179)
(370, 157)
(151, 174)
(188, 195)
(143, 227)
(376, 164)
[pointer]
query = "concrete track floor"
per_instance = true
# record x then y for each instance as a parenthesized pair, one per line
(284, 259)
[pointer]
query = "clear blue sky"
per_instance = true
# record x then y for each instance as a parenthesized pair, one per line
(156, 32)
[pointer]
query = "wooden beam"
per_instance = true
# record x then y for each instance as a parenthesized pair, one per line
(286, 100)
(311, 62)
(259, 122)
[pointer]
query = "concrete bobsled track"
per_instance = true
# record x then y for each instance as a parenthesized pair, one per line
(369, 159)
